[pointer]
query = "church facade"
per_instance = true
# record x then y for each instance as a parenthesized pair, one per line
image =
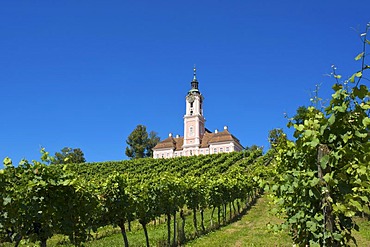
(197, 139)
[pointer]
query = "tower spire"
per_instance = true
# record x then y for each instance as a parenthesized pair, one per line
(194, 82)
(195, 73)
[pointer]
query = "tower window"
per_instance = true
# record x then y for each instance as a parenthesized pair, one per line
(191, 104)
(191, 112)
(191, 131)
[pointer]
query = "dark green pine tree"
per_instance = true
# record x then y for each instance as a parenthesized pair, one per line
(140, 143)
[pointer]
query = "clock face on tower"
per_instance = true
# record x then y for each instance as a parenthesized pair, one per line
(191, 99)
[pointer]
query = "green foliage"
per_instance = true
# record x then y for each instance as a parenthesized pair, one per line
(140, 143)
(69, 155)
(323, 177)
(275, 137)
(34, 205)
(302, 114)
(253, 148)
(152, 142)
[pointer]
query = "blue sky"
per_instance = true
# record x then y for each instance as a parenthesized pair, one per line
(83, 74)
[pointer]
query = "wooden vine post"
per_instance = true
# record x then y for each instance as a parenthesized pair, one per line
(326, 200)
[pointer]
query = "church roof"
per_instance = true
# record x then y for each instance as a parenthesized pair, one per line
(223, 136)
(208, 138)
(170, 142)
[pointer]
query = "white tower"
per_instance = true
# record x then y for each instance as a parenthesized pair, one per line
(193, 120)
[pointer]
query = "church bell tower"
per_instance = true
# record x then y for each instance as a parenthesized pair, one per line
(193, 119)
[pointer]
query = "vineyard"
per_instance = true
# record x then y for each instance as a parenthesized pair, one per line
(319, 182)
(75, 200)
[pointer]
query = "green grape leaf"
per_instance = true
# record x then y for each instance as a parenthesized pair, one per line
(365, 106)
(356, 204)
(366, 121)
(359, 56)
(308, 133)
(299, 127)
(337, 236)
(361, 170)
(337, 87)
(360, 92)
(364, 198)
(349, 213)
(346, 137)
(331, 119)
(359, 134)
(352, 78)
(7, 162)
(358, 74)
(324, 161)
(7, 200)
(314, 142)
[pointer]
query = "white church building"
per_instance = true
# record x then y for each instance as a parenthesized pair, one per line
(197, 139)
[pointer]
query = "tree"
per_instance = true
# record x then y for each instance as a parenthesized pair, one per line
(253, 148)
(276, 136)
(152, 141)
(140, 143)
(69, 156)
(302, 114)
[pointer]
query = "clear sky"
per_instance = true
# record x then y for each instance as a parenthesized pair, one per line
(84, 73)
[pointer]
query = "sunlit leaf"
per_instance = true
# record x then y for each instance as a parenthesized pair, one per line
(352, 78)
(331, 119)
(366, 121)
(359, 134)
(359, 56)
(324, 161)
(314, 142)
(7, 200)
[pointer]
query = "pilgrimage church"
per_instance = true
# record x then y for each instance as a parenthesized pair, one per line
(197, 139)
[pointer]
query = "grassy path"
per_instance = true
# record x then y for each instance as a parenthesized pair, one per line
(251, 230)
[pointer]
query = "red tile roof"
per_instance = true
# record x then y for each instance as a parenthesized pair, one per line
(170, 142)
(208, 138)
